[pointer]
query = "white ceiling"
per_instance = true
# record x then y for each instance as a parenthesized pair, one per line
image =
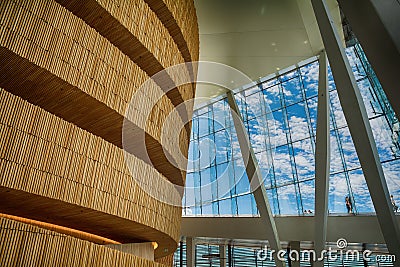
(257, 37)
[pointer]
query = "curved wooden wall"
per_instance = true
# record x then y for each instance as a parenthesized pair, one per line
(68, 72)
(62, 69)
(63, 230)
(43, 247)
(185, 32)
(136, 30)
(48, 160)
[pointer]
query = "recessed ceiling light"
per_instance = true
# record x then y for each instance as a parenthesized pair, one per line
(273, 44)
(306, 42)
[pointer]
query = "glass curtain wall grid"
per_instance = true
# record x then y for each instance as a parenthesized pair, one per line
(280, 116)
(207, 255)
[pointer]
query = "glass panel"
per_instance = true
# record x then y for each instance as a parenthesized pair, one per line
(338, 191)
(277, 128)
(288, 76)
(366, 93)
(236, 153)
(254, 108)
(257, 135)
(270, 83)
(225, 207)
(205, 176)
(244, 205)
(337, 116)
(312, 105)
(309, 75)
(349, 150)
(336, 154)
(273, 200)
(195, 128)
(242, 182)
(282, 163)
(362, 199)
(292, 91)
(287, 200)
(272, 97)
(222, 146)
(254, 209)
(297, 122)
(207, 152)
(307, 190)
(225, 181)
(392, 171)
(355, 64)
(383, 138)
(221, 115)
(205, 124)
(304, 157)
(206, 209)
(193, 156)
(264, 159)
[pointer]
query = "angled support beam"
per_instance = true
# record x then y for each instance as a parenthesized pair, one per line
(376, 26)
(360, 129)
(322, 159)
(255, 178)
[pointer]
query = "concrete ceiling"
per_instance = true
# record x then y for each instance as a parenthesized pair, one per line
(257, 37)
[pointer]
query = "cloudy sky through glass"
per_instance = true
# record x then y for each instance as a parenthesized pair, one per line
(280, 117)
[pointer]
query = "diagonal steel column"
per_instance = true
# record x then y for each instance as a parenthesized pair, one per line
(255, 178)
(360, 129)
(322, 159)
(376, 26)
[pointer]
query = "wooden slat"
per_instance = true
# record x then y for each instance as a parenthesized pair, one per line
(69, 70)
(131, 34)
(28, 245)
(97, 192)
(57, 95)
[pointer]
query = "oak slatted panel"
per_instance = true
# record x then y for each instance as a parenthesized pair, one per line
(189, 27)
(183, 11)
(177, 17)
(140, 20)
(68, 46)
(138, 33)
(62, 230)
(28, 245)
(62, 172)
(45, 155)
(89, 76)
(167, 260)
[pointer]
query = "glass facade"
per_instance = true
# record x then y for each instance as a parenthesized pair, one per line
(280, 114)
